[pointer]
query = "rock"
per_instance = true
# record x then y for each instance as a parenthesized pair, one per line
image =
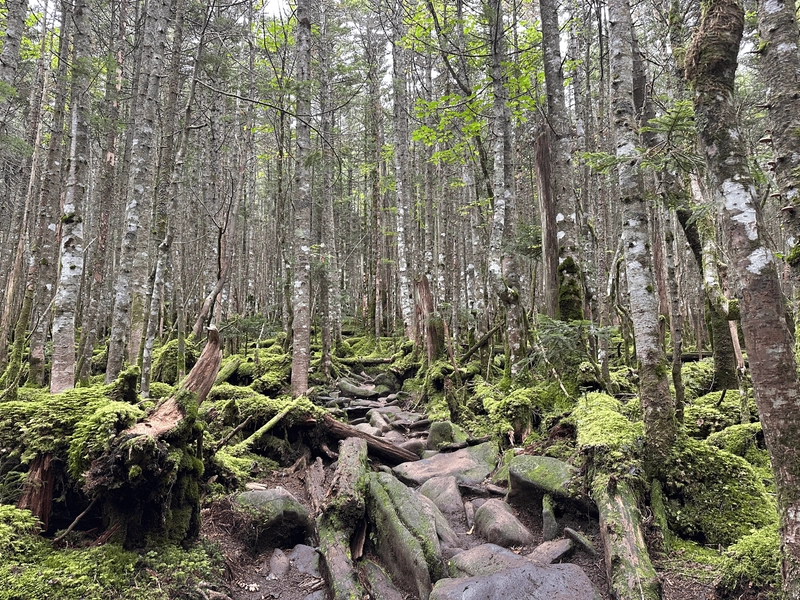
(318, 595)
(416, 446)
(447, 536)
(469, 465)
(534, 476)
(529, 581)
(442, 433)
(550, 552)
(388, 380)
(305, 559)
(404, 534)
(581, 540)
(278, 563)
(352, 389)
(378, 421)
(277, 518)
(381, 587)
(469, 512)
(367, 428)
(483, 560)
(495, 522)
(549, 523)
(395, 437)
(443, 491)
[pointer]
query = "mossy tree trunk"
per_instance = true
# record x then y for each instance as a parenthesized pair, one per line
(658, 406)
(711, 63)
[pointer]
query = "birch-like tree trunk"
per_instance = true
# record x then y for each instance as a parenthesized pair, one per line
(301, 272)
(711, 62)
(779, 67)
(502, 266)
(567, 296)
(657, 404)
(401, 178)
(62, 373)
(140, 179)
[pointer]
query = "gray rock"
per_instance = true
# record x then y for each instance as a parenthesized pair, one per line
(581, 540)
(529, 581)
(318, 595)
(549, 523)
(305, 559)
(443, 491)
(550, 552)
(367, 428)
(276, 518)
(416, 446)
(469, 465)
(278, 563)
(447, 536)
(353, 389)
(381, 587)
(378, 421)
(442, 433)
(395, 437)
(469, 511)
(483, 560)
(495, 522)
(533, 476)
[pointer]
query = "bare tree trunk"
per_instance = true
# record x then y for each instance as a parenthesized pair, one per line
(657, 403)
(140, 181)
(711, 63)
(62, 374)
(569, 285)
(301, 297)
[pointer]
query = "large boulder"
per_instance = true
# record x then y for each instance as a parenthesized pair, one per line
(529, 581)
(534, 476)
(444, 493)
(274, 518)
(495, 522)
(484, 560)
(469, 465)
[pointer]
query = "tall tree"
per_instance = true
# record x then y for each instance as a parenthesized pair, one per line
(62, 373)
(711, 63)
(301, 297)
(657, 403)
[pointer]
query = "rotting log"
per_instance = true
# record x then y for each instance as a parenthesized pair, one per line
(37, 493)
(342, 514)
(148, 482)
(228, 370)
(375, 445)
(630, 573)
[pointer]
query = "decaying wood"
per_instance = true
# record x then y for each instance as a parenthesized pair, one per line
(630, 573)
(376, 445)
(199, 380)
(228, 370)
(346, 490)
(367, 361)
(37, 493)
(480, 343)
(315, 483)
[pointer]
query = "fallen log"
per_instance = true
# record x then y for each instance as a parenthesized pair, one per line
(376, 445)
(630, 573)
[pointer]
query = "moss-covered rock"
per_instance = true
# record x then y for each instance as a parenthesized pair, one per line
(276, 519)
(698, 378)
(165, 361)
(746, 441)
(711, 413)
(713, 496)
(753, 561)
(511, 414)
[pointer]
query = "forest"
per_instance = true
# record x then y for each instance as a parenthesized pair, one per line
(346, 299)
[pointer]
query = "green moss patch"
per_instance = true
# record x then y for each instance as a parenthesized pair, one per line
(753, 561)
(713, 496)
(698, 378)
(165, 361)
(711, 413)
(611, 439)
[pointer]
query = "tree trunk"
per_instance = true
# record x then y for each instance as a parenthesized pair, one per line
(62, 374)
(657, 404)
(711, 66)
(301, 297)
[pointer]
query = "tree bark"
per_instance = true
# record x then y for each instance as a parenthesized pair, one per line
(301, 296)
(711, 63)
(657, 404)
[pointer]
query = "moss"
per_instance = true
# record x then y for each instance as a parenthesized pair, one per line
(714, 497)
(711, 413)
(753, 561)
(94, 433)
(698, 378)
(511, 414)
(237, 468)
(160, 390)
(746, 441)
(16, 528)
(165, 361)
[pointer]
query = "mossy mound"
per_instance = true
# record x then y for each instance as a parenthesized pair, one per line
(753, 561)
(267, 371)
(160, 390)
(746, 441)
(165, 361)
(713, 496)
(610, 439)
(35, 571)
(712, 412)
(698, 378)
(511, 414)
